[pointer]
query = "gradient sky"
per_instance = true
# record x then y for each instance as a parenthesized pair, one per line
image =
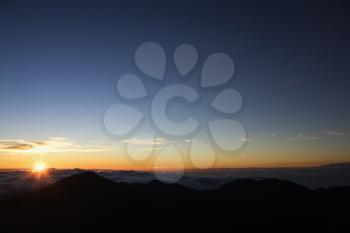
(59, 61)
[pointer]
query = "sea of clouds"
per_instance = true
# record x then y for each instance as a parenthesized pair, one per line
(14, 182)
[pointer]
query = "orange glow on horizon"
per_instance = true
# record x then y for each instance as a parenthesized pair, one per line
(116, 161)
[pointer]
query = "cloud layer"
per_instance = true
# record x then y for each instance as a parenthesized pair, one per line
(17, 181)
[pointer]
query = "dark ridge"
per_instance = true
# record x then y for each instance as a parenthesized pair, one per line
(78, 184)
(337, 165)
(86, 179)
(156, 184)
(87, 202)
(265, 185)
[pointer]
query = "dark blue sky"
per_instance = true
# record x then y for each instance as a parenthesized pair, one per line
(59, 60)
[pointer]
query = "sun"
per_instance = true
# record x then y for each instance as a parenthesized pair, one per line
(39, 167)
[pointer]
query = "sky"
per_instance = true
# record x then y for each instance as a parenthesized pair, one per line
(60, 62)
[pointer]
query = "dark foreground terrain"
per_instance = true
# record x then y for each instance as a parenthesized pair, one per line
(87, 202)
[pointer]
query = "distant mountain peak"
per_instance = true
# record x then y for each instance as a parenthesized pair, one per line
(337, 165)
(84, 176)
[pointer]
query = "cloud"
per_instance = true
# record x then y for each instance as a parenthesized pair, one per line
(152, 148)
(335, 133)
(246, 140)
(16, 147)
(50, 145)
(303, 138)
(289, 138)
(145, 141)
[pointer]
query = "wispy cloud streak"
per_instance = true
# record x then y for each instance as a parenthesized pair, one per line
(51, 145)
(335, 133)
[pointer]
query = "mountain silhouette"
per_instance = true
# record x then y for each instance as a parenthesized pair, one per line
(337, 165)
(86, 202)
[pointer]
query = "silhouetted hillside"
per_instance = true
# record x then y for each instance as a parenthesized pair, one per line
(87, 202)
